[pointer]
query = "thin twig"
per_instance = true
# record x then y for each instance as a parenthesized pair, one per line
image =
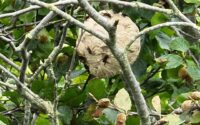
(177, 12)
(34, 23)
(146, 30)
(27, 105)
(190, 52)
(135, 4)
(28, 94)
(11, 86)
(52, 55)
(9, 41)
(8, 61)
(150, 75)
(69, 18)
(55, 119)
(35, 7)
(67, 76)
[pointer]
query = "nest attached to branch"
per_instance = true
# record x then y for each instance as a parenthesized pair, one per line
(95, 52)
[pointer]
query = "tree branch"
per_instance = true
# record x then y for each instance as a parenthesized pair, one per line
(146, 30)
(35, 7)
(69, 18)
(135, 4)
(8, 61)
(11, 86)
(8, 41)
(94, 14)
(29, 95)
(121, 57)
(177, 12)
(52, 55)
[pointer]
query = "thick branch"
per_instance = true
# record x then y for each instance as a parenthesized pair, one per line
(94, 14)
(127, 73)
(131, 82)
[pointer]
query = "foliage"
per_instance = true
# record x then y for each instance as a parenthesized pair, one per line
(167, 69)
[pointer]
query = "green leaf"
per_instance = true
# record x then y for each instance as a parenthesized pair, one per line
(44, 88)
(189, 9)
(139, 66)
(163, 40)
(158, 18)
(173, 61)
(164, 97)
(13, 96)
(122, 100)
(27, 17)
(194, 72)
(179, 44)
(5, 21)
(2, 108)
(156, 104)
(2, 123)
(43, 11)
(173, 119)
(97, 88)
(73, 97)
(42, 120)
(168, 31)
(192, 1)
(4, 4)
(4, 120)
(110, 114)
(80, 79)
(195, 117)
(102, 120)
(133, 119)
(65, 114)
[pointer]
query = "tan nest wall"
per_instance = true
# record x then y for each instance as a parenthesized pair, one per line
(97, 55)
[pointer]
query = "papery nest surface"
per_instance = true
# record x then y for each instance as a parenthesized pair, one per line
(95, 52)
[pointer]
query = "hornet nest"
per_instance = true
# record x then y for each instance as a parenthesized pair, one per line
(95, 52)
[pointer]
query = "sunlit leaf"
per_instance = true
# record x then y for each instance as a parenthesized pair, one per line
(156, 103)
(173, 119)
(195, 117)
(122, 100)
(192, 1)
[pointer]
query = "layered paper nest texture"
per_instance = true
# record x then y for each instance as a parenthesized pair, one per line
(97, 56)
